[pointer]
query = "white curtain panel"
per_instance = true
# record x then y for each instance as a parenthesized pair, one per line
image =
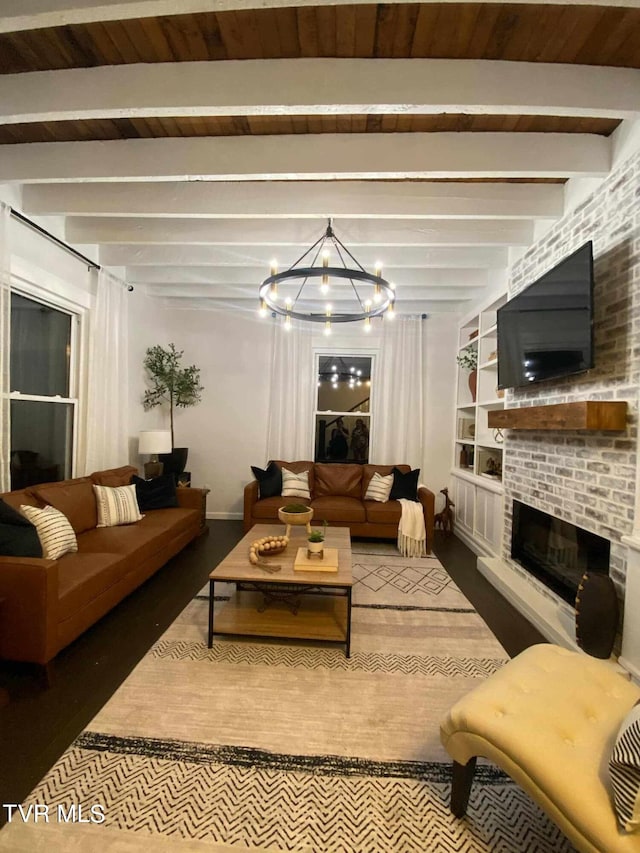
(292, 387)
(106, 440)
(5, 318)
(399, 394)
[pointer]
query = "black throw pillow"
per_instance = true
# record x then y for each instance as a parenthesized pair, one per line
(158, 493)
(404, 485)
(18, 537)
(269, 480)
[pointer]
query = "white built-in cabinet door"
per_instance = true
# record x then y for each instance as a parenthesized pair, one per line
(488, 521)
(464, 500)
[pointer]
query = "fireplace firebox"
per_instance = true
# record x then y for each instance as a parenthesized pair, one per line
(554, 551)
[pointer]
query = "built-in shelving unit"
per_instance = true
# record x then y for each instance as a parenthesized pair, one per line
(477, 463)
(582, 415)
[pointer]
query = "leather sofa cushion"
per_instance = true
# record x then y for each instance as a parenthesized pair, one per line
(267, 508)
(337, 508)
(23, 496)
(137, 542)
(297, 468)
(74, 499)
(114, 476)
(369, 470)
(338, 480)
(83, 577)
(383, 513)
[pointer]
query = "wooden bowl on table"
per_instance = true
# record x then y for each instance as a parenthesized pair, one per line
(294, 519)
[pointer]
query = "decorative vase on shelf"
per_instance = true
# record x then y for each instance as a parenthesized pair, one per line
(473, 384)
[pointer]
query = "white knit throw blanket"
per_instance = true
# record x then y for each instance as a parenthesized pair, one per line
(412, 536)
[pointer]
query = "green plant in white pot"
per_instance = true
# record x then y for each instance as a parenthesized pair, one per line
(175, 386)
(315, 540)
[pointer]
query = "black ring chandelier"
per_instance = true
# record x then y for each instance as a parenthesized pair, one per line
(381, 301)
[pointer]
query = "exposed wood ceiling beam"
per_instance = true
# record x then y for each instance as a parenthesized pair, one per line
(304, 199)
(448, 279)
(52, 13)
(320, 86)
(298, 232)
(340, 156)
(438, 257)
(250, 291)
(248, 306)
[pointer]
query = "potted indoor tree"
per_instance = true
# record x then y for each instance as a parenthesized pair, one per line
(173, 385)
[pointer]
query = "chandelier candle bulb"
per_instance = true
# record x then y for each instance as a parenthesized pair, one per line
(324, 287)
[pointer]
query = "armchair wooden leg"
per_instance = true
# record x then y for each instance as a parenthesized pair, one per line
(461, 781)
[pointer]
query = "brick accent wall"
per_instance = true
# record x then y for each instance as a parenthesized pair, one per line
(587, 478)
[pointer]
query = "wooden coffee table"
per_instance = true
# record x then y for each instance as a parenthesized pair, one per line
(297, 605)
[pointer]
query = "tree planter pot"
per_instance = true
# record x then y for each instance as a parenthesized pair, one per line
(176, 461)
(473, 384)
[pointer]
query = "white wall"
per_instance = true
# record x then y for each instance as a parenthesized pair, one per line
(148, 322)
(226, 431)
(440, 385)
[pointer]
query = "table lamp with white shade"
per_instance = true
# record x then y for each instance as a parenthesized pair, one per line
(151, 442)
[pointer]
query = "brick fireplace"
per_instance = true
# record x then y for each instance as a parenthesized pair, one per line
(588, 478)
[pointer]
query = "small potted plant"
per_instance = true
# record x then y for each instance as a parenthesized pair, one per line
(315, 541)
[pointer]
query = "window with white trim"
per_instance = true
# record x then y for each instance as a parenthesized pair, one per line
(44, 402)
(343, 407)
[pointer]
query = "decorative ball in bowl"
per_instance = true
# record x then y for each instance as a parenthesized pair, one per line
(268, 546)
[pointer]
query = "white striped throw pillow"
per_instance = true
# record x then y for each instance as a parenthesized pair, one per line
(624, 770)
(295, 485)
(54, 530)
(379, 488)
(116, 505)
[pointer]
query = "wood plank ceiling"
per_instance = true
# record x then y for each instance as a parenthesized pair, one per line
(449, 190)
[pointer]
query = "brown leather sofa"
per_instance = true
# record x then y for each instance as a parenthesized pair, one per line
(48, 603)
(337, 496)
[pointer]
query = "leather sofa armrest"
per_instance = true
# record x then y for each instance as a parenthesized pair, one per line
(191, 498)
(428, 501)
(250, 498)
(28, 609)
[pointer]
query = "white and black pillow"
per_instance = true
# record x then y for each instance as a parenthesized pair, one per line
(269, 480)
(295, 485)
(55, 532)
(116, 505)
(379, 488)
(624, 770)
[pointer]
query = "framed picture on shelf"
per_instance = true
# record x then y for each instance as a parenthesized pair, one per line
(466, 429)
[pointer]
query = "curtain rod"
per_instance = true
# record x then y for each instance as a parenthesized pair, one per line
(22, 218)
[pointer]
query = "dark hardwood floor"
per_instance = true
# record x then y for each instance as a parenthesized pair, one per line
(39, 723)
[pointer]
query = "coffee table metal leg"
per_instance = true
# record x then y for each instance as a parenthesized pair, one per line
(212, 586)
(347, 645)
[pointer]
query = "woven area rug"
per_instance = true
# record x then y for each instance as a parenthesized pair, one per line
(282, 746)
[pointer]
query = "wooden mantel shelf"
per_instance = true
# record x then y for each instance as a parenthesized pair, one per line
(585, 415)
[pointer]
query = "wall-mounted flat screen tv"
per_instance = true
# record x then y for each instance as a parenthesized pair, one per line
(546, 330)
